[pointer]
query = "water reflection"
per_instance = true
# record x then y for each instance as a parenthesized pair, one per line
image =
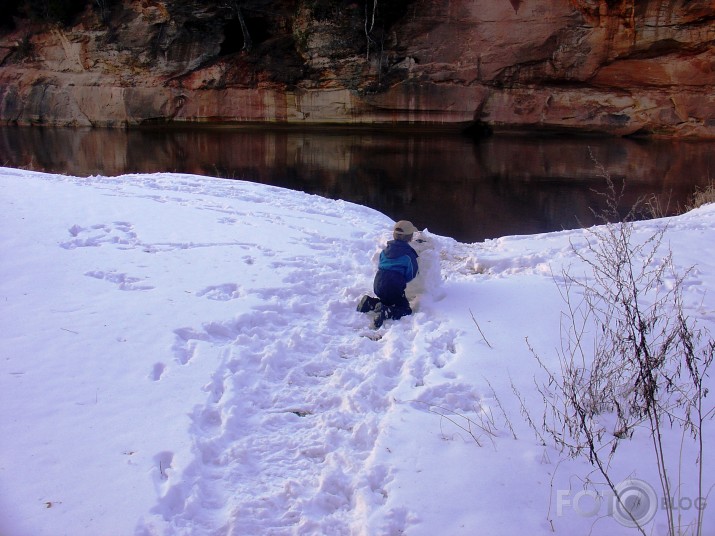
(450, 184)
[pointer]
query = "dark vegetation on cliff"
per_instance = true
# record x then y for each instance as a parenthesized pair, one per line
(53, 11)
(254, 40)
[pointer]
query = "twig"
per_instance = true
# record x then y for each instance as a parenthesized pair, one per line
(432, 408)
(480, 330)
(506, 417)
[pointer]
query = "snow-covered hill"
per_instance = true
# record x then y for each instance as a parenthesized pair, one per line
(182, 355)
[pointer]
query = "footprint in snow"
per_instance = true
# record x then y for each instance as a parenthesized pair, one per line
(120, 233)
(225, 292)
(123, 281)
(157, 371)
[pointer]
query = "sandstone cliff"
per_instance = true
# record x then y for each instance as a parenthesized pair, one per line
(610, 66)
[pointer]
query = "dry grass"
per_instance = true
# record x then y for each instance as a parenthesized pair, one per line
(702, 196)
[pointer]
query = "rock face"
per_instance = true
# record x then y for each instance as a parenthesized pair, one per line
(618, 67)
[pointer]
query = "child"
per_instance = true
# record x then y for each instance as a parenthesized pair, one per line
(397, 267)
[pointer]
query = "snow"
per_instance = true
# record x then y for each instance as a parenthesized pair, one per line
(182, 355)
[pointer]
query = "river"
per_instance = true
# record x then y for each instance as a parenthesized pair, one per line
(455, 186)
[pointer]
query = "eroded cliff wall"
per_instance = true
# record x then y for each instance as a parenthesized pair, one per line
(619, 67)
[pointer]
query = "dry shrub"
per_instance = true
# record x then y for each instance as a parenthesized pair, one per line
(702, 196)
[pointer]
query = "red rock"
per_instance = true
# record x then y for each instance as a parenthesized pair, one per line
(645, 67)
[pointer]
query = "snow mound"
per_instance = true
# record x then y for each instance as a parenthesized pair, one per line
(182, 356)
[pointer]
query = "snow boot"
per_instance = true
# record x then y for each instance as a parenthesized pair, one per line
(367, 304)
(383, 313)
(398, 311)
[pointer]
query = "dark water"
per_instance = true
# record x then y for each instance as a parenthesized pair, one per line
(455, 186)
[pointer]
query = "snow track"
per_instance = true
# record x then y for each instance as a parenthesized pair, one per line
(292, 413)
(299, 385)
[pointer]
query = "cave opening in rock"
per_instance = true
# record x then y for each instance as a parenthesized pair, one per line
(234, 38)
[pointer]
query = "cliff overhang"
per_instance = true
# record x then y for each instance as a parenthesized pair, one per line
(609, 67)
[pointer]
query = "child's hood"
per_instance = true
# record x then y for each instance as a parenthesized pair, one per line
(397, 248)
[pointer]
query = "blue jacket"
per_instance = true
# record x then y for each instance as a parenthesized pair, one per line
(399, 257)
(397, 267)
